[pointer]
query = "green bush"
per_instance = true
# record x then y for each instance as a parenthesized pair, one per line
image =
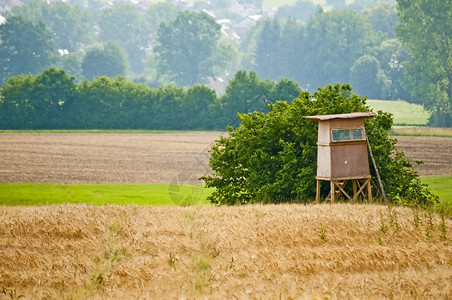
(272, 157)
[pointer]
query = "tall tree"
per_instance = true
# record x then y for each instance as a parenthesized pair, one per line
(292, 62)
(109, 60)
(245, 93)
(51, 91)
(391, 55)
(187, 47)
(336, 40)
(36, 101)
(368, 79)
(16, 108)
(425, 28)
(301, 10)
(267, 53)
(383, 18)
(124, 26)
(158, 13)
(24, 47)
(71, 27)
(197, 107)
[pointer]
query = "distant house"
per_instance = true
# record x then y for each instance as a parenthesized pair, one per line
(249, 20)
(227, 30)
(143, 6)
(218, 84)
(209, 13)
(245, 10)
(107, 5)
(2, 20)
(63, 52)
(269, 12)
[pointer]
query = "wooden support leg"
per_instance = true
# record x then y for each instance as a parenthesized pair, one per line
(333, 190)
(317, 193)
(369, 190)
(355, 195)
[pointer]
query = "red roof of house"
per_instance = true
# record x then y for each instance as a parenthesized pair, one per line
(341, 116)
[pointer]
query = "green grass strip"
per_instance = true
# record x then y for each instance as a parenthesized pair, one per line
(100, 194)
(421, 131)
(442, 187)
(150, 194)
(404, 113)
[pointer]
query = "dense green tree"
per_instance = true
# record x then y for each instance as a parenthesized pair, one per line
(267, 53)
(109, 60)
(391, 55)
(285, 90)
(70, 25)
(168, 105)
(16, 109)
(247, 46)
(272, 157)
(96, 104)
(197, 107)
(245, 93)
(51, 90)
(425, 28)
(336, 40)
(292, 50)
(300, 10)
(137, 105)
(383, 18)
(71, 63)
(368, 79)
(24, 47)
(187, 46)
(157, 14)
(123, 25)
(36, 102)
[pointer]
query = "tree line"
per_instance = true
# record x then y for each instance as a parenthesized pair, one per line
(169, 43)
(53, 100)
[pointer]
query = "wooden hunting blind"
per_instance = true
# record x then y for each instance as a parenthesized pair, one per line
(342, 154)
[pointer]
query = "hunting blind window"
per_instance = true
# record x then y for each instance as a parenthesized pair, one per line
(345, 135)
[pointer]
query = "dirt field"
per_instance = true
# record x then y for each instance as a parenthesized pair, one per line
(339, 251)
(105, 158)
(436, 153)
(179, 158)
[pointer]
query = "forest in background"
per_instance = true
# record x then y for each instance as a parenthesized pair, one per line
(190, 43)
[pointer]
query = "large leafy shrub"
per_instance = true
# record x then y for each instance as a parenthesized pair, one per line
(272, 157)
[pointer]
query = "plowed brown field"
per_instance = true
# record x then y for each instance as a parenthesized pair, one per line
(339, 251)
(148, 158)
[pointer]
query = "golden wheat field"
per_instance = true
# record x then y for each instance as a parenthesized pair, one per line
(338, 251)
